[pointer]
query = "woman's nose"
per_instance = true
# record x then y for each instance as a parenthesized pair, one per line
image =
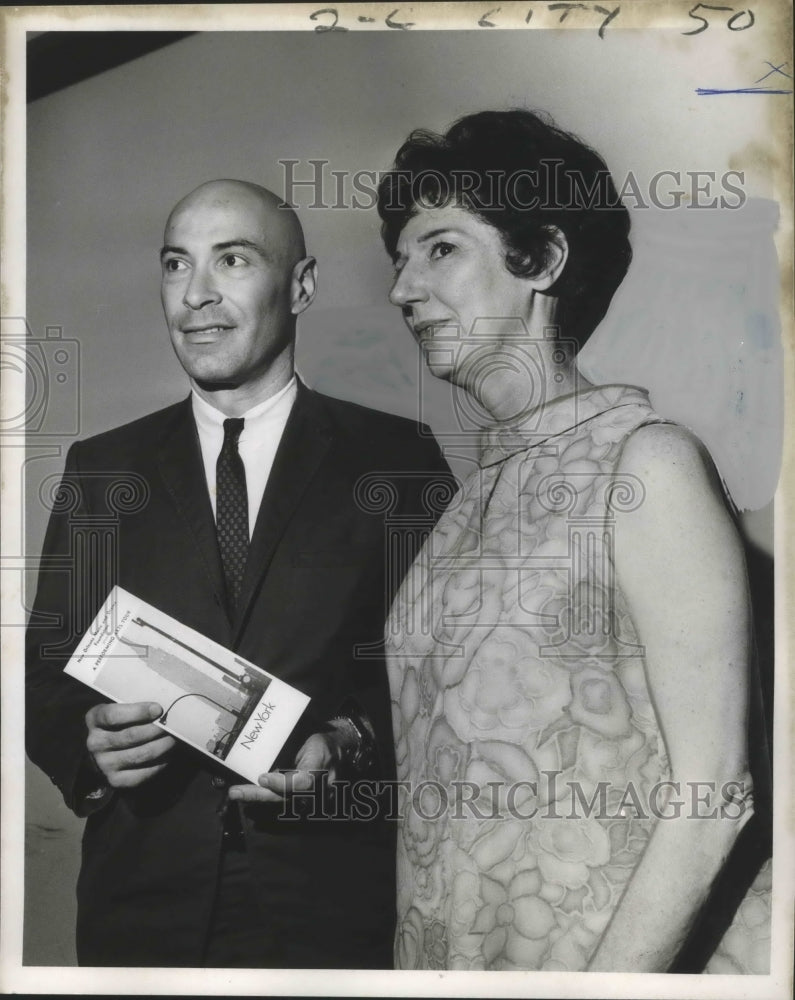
(407, 287)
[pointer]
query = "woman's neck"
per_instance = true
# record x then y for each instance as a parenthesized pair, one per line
(532, 371)
(513, 394)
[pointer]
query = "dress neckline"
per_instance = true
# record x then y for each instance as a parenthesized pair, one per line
(559, 416)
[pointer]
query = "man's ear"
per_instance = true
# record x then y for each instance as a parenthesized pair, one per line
(304, 284)
(557, 253)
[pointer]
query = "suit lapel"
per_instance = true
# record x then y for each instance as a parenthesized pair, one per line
(180, 465)
(306, 439)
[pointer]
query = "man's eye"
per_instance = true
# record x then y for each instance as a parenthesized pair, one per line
(173, 264)
(232, 260)
(441, 249)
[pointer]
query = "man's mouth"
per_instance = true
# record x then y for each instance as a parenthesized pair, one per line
(210, 329)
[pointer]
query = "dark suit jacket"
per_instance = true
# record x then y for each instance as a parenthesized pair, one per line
(133, 508)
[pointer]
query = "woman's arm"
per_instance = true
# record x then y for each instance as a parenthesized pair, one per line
(680, 565)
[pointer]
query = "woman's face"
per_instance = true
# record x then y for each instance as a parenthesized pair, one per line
(455, 292)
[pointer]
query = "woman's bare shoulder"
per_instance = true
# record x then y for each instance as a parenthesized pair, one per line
(672, 463)
(680, 537)
(663, 443)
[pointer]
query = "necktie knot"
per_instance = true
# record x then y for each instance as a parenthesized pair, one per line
(233, 428)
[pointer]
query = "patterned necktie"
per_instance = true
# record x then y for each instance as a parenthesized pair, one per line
(231, 510)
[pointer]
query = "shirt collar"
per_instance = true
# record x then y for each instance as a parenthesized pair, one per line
(210, 419)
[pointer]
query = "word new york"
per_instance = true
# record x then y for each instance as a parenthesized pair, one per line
(258, 720)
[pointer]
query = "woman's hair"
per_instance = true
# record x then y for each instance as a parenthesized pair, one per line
(519, 173)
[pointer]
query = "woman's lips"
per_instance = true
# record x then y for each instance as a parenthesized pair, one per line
(429, 324)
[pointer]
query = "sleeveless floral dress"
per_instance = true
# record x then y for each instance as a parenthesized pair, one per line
(533, 764)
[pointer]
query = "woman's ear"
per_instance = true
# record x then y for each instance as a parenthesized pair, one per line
(557, 253)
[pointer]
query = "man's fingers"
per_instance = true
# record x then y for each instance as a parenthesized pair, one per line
(150, 752)
(143, 757)
(287, 782)
(275, 786)
(120, 739)
(253, 793)
(115, 716)
(311, 758)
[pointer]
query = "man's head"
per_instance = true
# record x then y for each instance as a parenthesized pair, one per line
(234, 277)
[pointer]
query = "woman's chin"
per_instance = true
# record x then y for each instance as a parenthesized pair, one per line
(439, 370)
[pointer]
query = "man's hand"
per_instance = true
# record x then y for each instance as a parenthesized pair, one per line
(125, 744)
(321, 752)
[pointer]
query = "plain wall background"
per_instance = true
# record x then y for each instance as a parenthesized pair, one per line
(108, 157)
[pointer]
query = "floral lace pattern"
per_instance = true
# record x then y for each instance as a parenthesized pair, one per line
(521, 711)
(745, 947)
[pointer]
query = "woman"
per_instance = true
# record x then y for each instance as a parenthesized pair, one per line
(569, 655)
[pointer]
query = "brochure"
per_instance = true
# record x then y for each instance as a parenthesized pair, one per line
(212, 699)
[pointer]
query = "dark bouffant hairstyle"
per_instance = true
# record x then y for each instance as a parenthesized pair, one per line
(522, 175)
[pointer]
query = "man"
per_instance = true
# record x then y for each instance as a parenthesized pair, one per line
(235, 512)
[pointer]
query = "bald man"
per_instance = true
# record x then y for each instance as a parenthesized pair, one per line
(183, 865)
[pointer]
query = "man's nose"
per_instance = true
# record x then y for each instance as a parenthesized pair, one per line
(201, 290)
(408, 287)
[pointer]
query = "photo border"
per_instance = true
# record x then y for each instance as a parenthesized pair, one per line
(295, 17)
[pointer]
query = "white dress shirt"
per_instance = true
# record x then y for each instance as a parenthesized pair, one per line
(257, 444)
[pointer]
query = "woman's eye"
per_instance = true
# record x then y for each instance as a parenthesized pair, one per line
(441, 249)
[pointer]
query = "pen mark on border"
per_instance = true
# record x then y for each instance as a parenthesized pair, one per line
(712, 91)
